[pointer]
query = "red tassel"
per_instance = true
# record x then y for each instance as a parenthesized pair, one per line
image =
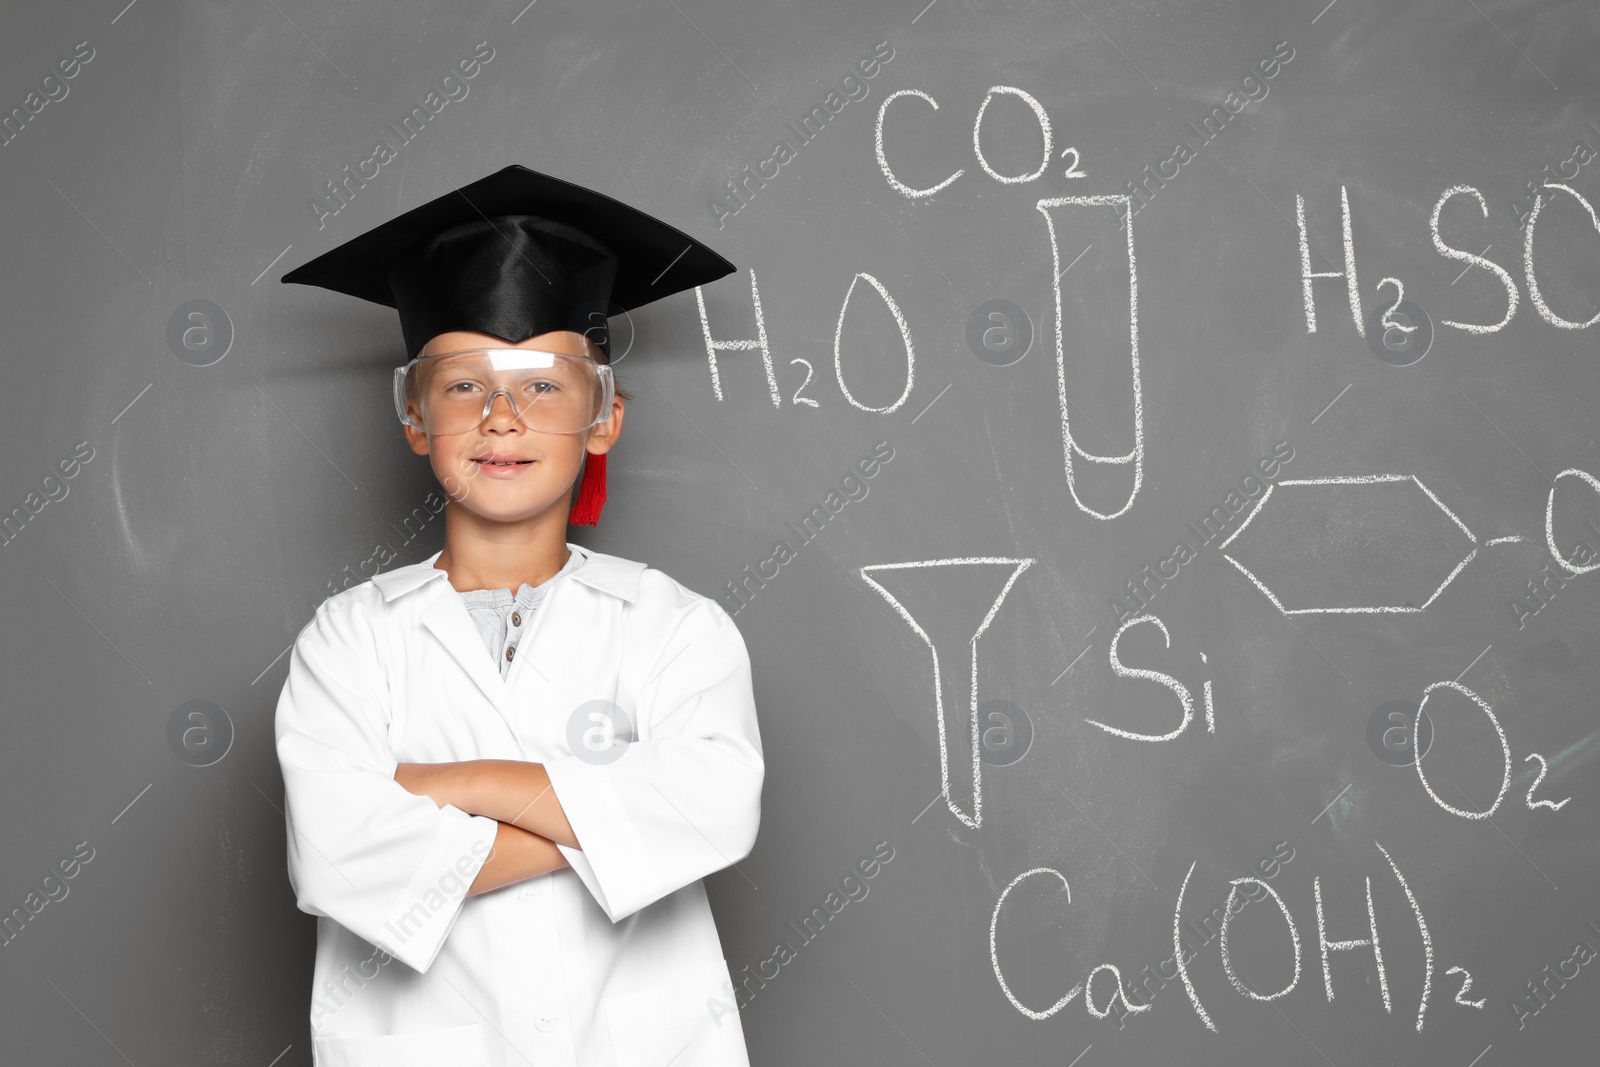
(592, 493)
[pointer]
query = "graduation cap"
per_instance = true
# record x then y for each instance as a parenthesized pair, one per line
(514, 255)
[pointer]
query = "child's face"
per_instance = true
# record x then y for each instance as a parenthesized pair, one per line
(523, 491)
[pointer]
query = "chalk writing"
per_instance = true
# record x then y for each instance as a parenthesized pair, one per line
(1544, 768)
(1177, 687)
(1527, 259)
(905, 337)
(1530, 277)
(743, 345)
(1181, 957)
(1327, 946)
(1505, 749)
(1230, 909)
(1474, 260)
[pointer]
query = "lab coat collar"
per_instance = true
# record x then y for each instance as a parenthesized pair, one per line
(607, 573)
(446, 617)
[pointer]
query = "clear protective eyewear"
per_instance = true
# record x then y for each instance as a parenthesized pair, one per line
(549, 392)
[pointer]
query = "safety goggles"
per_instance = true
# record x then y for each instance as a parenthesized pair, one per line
(548, 392)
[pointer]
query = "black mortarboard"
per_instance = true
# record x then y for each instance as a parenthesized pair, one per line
(515, 255)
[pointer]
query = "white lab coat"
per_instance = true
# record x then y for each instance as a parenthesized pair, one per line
(614, 962)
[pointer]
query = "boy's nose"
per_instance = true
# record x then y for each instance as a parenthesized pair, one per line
(506, 411)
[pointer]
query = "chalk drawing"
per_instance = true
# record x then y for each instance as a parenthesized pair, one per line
(1362, 479)
(975, 819)
(1070, 445)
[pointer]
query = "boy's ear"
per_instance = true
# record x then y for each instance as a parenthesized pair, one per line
(604, 436)
(416, 439)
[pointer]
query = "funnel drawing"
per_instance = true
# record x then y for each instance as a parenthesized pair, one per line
(972, 785)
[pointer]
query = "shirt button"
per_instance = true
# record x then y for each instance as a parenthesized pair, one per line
(511, 651)
(546, 1023)
(516, 618)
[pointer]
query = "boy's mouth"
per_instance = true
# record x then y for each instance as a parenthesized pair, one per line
(500, 461)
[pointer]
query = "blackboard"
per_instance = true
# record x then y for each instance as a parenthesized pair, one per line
(1118, 427)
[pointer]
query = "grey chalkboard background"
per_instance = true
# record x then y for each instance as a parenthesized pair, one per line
(232, 479)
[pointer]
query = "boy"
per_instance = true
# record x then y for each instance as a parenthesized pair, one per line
(520, 832)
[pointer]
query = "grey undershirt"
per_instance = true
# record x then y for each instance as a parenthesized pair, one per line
(503, 619)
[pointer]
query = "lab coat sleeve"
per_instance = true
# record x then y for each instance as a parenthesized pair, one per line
(385, 863)
(684, 801)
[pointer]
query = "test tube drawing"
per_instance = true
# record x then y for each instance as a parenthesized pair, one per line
(1070, 446)
(965, 787)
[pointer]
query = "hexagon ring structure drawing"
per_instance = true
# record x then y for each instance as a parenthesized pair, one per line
(1360, 539)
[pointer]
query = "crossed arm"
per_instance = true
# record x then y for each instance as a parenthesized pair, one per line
(515, 794)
